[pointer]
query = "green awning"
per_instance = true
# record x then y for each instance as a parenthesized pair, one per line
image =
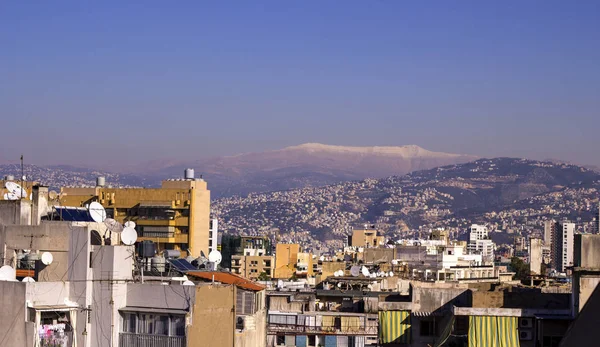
(394, 327)
(492, 331)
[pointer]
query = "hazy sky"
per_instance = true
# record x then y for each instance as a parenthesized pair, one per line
(118, 81)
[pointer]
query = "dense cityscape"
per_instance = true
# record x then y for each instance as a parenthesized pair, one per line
(299, 174)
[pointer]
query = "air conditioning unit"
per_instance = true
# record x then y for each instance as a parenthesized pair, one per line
(526, 323)
(525, 335)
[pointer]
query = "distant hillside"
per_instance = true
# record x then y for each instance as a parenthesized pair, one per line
(308, 165)
(311, 165)
(502, 191)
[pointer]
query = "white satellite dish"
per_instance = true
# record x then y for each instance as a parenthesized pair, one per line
(113, 225)
(188, 283)
(280, 284)
(28, 279)
(365, 271)
(7, 273)
(16, 189)
(336, 274)
(129, 236)
(97, 212)
(391, 274)
(340, 285)
(394, 262)
(321, 258)
(373, 275)
(130, 224)
(47, 258)
(355, 271)
(215, 257)
(10, 196)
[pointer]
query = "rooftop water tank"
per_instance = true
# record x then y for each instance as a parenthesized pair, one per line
(100, 181)
(189, 174)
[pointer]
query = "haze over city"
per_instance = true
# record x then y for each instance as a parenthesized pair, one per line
(109, 83)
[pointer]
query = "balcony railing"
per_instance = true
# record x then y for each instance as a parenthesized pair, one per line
(308, 329)
(165, 234)
(142, 340)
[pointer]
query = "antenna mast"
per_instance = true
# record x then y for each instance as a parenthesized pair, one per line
(22, 176)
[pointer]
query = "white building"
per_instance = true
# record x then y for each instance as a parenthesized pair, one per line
(562, 245)
(478, 232)
(480, 243)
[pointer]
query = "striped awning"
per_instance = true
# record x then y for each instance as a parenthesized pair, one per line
(493, 331)
(394, 327)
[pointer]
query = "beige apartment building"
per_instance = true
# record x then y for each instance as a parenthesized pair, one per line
(174, 216)
(251, 266)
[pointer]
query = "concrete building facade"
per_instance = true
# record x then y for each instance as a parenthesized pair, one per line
(535, 255)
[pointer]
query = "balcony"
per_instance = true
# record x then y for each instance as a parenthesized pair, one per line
(330, 325)
(143, 340)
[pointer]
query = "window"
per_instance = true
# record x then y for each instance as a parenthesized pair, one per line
(280, 340)
(312, 340)
(427, 327)
(153, 324)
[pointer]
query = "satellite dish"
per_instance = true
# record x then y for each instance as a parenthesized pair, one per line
(16, 189)
(336, 274)
(10, 196)
(280, 284)
(47, 258)
(365, 271)
(215, 257)
(321, 258)
(130, 224)
(52, 195)
(340, 285)
(28, 279)
(129, 236)
(391, 274)
(355, 271)
(188, 283)
(394, 262)
(97, 212)
(373, 275)
(113, 225)
(7, 273)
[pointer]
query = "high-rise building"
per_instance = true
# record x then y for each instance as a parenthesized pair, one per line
(549, 226)
(562, 245)
(175, 216)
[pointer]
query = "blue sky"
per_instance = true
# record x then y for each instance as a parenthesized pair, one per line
(131, 81)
